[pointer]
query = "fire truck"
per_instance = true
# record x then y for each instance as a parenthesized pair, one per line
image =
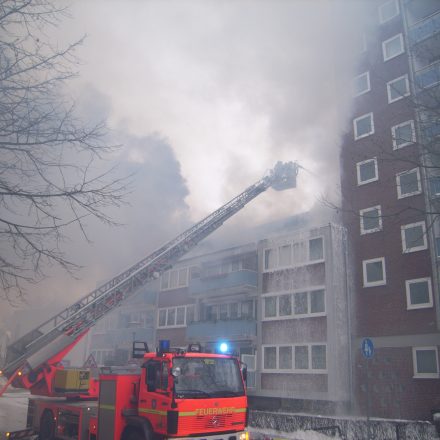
(171, 393)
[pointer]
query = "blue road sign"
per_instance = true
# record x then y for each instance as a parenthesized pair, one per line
(367, 348)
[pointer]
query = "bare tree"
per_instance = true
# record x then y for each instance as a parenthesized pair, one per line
(49, 174)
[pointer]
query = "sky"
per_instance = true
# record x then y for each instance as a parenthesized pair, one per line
(204, 97)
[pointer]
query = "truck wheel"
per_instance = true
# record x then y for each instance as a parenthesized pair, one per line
(47, 426)
(136, 434)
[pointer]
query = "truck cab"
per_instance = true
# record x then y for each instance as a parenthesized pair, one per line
(186, 394)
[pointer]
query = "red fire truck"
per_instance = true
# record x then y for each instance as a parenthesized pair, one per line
(171, 394)
(175, 393)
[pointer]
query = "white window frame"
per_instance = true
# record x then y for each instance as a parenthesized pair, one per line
(304, 242)
(175, 314)
(418, 375)
(356, 78)
(411, 306)
(309, 370)
(168, 274)
(371, 116)
(404, 144)
(390, 88)
(383, 19)
(293, 315)
(319, 260)
(403, 228)
(384, 43)
(364, 272)
(358, 170)
(399, 187)
(361, 218)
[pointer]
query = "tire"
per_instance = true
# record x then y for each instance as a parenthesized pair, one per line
(47, 426)
(134, 434)
(137, 434)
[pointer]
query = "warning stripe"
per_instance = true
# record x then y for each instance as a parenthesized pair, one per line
(181, 413)
(195, 413)
(107, 407)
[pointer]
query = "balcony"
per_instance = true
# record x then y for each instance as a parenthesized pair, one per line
(232, 329)
(121, 336)
(428, 77)
(242, 281)
(425, 29)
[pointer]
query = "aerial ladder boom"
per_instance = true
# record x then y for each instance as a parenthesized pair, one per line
(30, 358)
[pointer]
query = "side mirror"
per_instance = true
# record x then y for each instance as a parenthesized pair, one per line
(176, 372)
(244, 372)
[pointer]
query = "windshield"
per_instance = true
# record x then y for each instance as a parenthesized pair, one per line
(207, 377)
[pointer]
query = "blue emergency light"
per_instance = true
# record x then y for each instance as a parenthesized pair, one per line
(223, 347)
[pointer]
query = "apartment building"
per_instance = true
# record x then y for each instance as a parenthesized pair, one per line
(110, 341)
(390, 191)
(282, 306)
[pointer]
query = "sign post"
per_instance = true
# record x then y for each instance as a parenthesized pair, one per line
(367, 348)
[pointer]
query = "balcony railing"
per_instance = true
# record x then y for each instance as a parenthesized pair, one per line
(121, 336)
(233, 329)
(242, 281)
(425, 29)
(428, 76)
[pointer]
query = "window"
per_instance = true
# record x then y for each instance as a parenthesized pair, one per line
(414, 237)
(361, 84)
(269, 259)
(319, 357)
(175, 316)
(317, 301)
(270, 307)
(403, 134)
(408, 183)
(388, 10)
(301, 358)
(371, 220)
(294, 254)
(425, 361)
(418, 293)
(434, 183)
(294, 305)
(162, 318)
(270, 358)
(180, 316)
(363, 126)
(316, 249)
(285, 305)
(392, 47)
(223, 311)
(367, 171)
(301, 306)
(398, 88)
(285, 357)
(171, 317)
(174, 279)
(374, 272)
(285, 255)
